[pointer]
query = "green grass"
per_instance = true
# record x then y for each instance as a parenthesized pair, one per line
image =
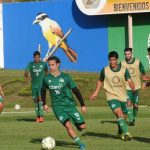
(20, 132)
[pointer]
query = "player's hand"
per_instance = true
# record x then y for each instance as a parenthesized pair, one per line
(2, 94)
(93, 97)
(46, 108)
(83, 109)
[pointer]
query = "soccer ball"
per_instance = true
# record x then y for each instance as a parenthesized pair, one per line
(48, 143)
(17, 107)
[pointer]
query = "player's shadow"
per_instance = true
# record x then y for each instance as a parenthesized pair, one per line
(108, 121)
(26, 119)
(58, 143)
(142, 139)
(102, 135)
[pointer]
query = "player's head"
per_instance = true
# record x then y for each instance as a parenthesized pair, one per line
(128, 53)
(148, 50)
(54, 63)
(113, 58)
(36, 56)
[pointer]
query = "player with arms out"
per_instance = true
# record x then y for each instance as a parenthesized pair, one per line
(113, 78)
(1, 99)
(37, 70)
(136, 69)
(61, 86)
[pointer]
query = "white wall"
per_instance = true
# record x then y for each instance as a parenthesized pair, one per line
(1, 38)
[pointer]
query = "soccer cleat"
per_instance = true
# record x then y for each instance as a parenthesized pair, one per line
(126, 137)
(41, 119)
(37, 119)
(82, 147)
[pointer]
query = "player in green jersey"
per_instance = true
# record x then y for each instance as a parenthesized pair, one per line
(136, 69)
(1, 99)
(113, 78)
(37, 70)
(61, 86)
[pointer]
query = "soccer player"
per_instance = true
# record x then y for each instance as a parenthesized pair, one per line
(148, 57)
(113, 78)
(37, 70)
(135, 68)
(1, 99)
(61, 86)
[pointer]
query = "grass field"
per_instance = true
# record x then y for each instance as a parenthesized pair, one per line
(18, 131)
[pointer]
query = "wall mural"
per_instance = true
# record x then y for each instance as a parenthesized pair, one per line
(54, 36)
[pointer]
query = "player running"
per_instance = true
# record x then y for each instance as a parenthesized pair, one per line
(113, 78)
(1, 99)
(37, 70)
(60, 86)
(135, 68)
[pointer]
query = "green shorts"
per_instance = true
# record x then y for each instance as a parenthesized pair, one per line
(36, 92)
(1, 99)
(66, 113)
(134, 98)
(114, 104)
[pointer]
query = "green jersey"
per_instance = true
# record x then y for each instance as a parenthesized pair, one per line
(60, 89)
(37, 72)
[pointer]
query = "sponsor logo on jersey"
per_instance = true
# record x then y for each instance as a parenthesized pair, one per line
(113, 105)
(61, 80)
(41, 66)
(49, 81)
(60, 118)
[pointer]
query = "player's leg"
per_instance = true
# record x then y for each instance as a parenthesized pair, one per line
(40, 106)
(115, 105)
(63, 117)
(76, 117)
(130, 107)
(135, 104)
(1, 104)
(78, 121)
(35, 99)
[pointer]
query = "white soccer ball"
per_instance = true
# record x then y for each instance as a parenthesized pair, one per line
(17, 107)
(48, 143)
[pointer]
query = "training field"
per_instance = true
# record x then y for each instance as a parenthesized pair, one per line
(18, 131)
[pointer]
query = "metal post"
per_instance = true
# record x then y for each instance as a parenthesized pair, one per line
(130, 31)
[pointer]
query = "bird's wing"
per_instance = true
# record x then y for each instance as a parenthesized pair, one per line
(56, 28)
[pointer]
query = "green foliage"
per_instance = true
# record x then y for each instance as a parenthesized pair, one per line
(15, 87)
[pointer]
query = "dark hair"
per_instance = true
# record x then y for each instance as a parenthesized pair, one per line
(148, 49)
(36, 53)
(113, 54)
(54, 58)
(128, 49)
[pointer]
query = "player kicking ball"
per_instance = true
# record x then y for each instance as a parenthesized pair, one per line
(113, 78)
(61, 86)
(136, 69)
(37, 70)
(1, 99)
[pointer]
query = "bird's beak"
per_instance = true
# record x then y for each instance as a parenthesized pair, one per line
(36, 21)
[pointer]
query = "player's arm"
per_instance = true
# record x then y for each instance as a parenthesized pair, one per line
(98, 85)
(77, 92)
(129, 80)
(1, 92)
(142, 70)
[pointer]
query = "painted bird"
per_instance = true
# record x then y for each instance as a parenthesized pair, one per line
(53, 34)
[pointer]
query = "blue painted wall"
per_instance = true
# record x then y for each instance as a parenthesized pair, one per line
(89, 37)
